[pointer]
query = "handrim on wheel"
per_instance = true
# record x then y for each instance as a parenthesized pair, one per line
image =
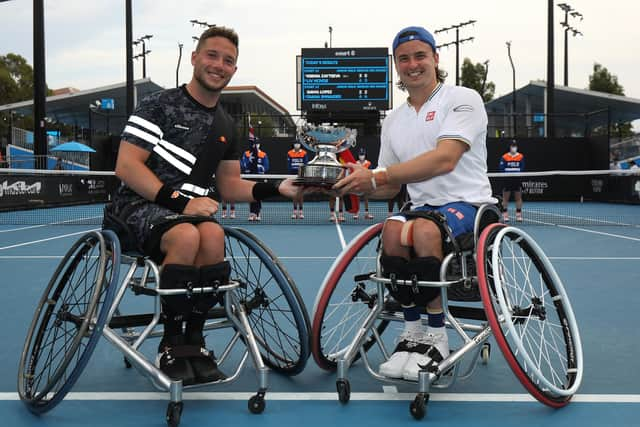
(344, 299)
(530, 314)
(276, 312)
(68, 321)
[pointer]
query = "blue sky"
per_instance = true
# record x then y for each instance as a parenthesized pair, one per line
(85, 40)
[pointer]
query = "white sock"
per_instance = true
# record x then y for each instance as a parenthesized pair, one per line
(413, 325)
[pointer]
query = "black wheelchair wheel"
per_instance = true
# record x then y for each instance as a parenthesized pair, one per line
(68, 321)
(345, 299)
(275, 309)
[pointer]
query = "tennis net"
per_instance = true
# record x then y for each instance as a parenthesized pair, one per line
(587, 198)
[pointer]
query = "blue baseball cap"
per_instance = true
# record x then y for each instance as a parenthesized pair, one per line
(414, 33)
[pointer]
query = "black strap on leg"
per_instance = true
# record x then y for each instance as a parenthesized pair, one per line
(178, 276)
(213, 275)
(415, 269)
(175, 308)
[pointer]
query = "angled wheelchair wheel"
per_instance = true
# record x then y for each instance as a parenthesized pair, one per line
(68, 321)
(530, 314)
(345, 299)
(275, 309)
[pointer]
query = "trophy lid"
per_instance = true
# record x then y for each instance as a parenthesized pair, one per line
(340, 138)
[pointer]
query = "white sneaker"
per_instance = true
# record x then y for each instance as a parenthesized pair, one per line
(394, 367)
(224, 214)
(432, 345)
(232, 215)
(505, 216)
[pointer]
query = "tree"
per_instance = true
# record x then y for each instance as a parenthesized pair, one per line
(16, 79)
(603, 81)
(474, 77)
(16, 84)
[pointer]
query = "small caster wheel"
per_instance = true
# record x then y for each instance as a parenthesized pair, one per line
(418, 407)
(127, 364)
(174, 411)
(344, 390)
(485, 353)
(256, 404)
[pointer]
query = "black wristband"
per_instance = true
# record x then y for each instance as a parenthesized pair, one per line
(264, 190)
(171, 199)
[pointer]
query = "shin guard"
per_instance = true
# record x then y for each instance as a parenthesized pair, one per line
(176, 308)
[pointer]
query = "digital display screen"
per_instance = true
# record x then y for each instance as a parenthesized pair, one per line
(344, 79)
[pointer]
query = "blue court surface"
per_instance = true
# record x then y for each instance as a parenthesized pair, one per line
(599, 265)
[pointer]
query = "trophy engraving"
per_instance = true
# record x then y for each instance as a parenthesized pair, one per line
(327, 141)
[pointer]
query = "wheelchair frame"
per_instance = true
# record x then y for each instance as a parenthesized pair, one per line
(445, 373)
(103, 317)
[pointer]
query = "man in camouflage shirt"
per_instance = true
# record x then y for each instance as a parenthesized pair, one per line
(172, 145)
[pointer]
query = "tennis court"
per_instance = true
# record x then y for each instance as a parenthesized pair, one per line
(599, 266)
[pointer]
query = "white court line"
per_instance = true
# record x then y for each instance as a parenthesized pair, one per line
(33, 242)
(635, 239)
(442, 397)
(587, 230)
(49, 224)
(295, 258)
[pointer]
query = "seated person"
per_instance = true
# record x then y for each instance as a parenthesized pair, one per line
(172, 145)
(436, 144)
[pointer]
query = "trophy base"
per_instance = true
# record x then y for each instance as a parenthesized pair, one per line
(318, 175)
(313, 182)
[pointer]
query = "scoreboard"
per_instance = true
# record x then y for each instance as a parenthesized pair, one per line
(344, 79)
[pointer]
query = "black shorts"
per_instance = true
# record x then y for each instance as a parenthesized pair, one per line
(149, 221)
(512, 184)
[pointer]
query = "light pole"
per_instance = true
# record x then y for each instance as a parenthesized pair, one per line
(568, 10)
(144, 53)
(513, 107)
(484, 79)
(202, 24)
(457, 42)
(179, 58)
(330, 35)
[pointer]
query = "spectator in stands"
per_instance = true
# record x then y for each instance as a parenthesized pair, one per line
(362, 160)
(512, 161)
(59, 165)
(255, 161)
(296, 158)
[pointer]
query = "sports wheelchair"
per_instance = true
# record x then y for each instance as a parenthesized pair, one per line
(263, 317)
(523, 305)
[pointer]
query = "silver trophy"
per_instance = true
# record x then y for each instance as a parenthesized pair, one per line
(327, 141)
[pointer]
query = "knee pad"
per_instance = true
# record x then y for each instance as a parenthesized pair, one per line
(427, 269)
(211, 275)
(177, 276)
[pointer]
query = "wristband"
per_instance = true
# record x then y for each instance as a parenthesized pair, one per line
(373, 177)
(264, 190)
(374, 186)
(171, 199)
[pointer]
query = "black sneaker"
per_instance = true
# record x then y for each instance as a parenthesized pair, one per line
(174, 366)
(205, 367)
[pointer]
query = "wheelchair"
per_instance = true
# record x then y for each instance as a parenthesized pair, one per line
(263, 317)
(495, 282)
